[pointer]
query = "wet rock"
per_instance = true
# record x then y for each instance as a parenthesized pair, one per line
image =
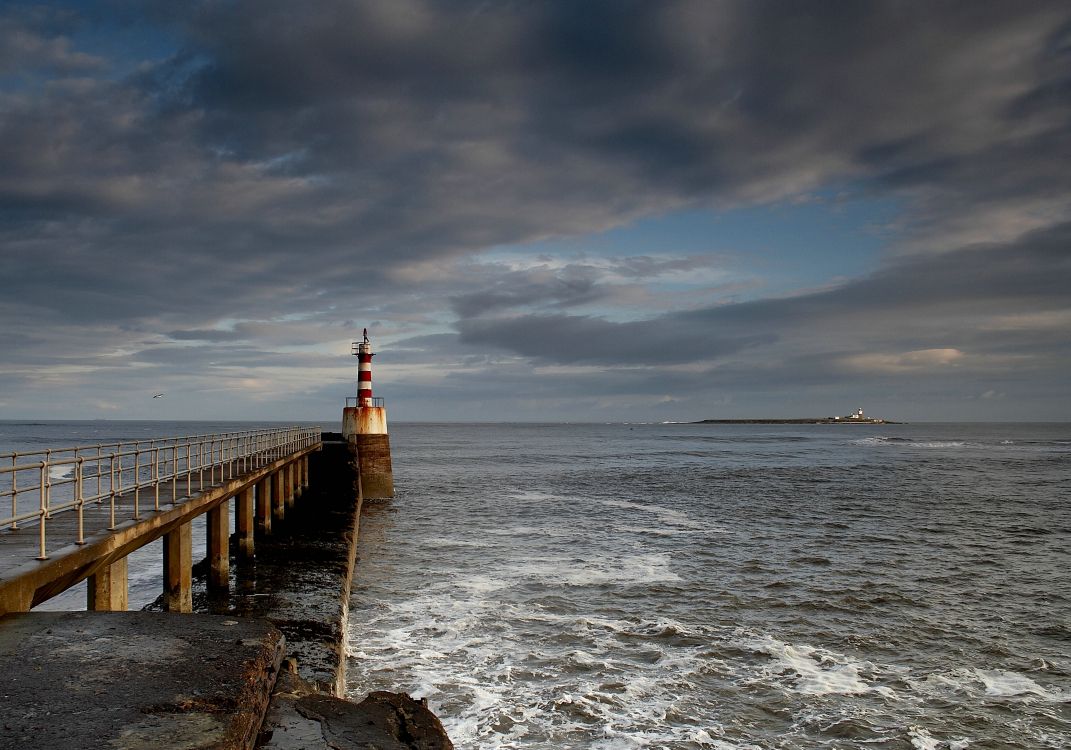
(300, 717)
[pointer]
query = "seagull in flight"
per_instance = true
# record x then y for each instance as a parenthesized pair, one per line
(158, 395)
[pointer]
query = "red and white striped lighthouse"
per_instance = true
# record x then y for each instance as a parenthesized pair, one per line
(364, 371)
(364, 426)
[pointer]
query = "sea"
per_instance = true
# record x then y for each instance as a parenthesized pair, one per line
(708, 586)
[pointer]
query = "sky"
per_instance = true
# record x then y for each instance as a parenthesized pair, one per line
(549, 211)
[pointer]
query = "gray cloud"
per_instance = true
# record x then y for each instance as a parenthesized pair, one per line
(917, 303)
(279, 164)
(35, 39)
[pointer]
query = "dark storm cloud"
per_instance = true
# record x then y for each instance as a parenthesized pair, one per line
(385, 133)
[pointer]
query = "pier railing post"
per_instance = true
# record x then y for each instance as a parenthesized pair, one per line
(106, 590)
(243, 522)
(178, 569)
(218, 547)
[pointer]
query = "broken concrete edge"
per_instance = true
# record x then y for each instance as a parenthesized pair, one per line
(302, 718)
(257, 694)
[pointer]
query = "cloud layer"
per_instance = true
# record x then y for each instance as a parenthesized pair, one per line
(216, 196)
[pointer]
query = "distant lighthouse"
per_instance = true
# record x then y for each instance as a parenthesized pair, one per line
(364, 425)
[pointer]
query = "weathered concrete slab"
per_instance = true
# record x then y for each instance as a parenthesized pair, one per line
(301, 719)
(134, 680)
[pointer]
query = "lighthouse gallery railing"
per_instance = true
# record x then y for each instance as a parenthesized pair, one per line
(67, 479)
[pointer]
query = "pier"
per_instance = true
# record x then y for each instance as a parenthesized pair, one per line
(76, 513)
(259, 663)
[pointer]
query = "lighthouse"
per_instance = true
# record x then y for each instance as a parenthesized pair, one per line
(364, 426)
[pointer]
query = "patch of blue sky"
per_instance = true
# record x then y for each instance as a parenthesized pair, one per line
(786, 247)
(125, 39)
(104, 41)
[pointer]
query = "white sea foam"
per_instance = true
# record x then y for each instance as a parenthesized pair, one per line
(1003, 684)
(537, 532)
(60, 472)
(638, 569)
(480, 584)
(880, 440)
(921, 739)
(667, 515)
(670, 532)
(943, 684)
(498, 685)
(871, 441)
(723, 745)
(532, 496)
(994, 683)
(989, 683)
(442, 541)
(818, 671)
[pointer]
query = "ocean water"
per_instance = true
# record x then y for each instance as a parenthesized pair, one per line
(724, 586)
(705, 586)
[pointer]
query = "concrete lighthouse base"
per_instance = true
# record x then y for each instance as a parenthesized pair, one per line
(365, 428)
(373, 458)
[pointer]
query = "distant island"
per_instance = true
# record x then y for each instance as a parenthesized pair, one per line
(856, 417)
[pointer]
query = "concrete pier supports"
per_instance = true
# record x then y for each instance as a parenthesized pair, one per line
(291, 486)
(278, 496)
(178, 569)
(106, 590)
(219, 523)
(243, 522)
(263, 522)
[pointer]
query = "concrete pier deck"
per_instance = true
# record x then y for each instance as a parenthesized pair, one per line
(134, 680)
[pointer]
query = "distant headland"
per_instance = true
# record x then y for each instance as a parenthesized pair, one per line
(856, 417)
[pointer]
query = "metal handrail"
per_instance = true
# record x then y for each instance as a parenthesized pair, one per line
(65, 479)
(354, 401)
